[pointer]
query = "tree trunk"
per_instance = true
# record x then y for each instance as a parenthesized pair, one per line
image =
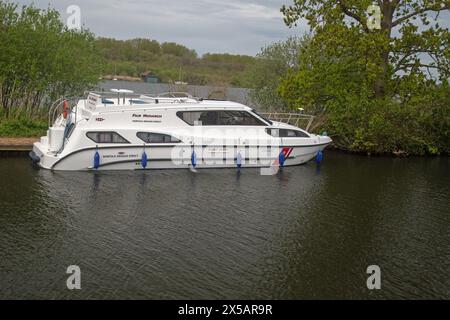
(380, 85)
(6, 92)
(382, 79)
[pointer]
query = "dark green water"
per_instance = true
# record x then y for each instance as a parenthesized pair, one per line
(304, 233)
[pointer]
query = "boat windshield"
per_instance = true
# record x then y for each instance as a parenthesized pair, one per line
(264, 118)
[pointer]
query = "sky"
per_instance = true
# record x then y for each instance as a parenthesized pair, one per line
(215, 26)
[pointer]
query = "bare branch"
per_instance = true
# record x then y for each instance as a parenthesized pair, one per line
(346, 10)
(417, 65)
(415, 13)
(403, 59)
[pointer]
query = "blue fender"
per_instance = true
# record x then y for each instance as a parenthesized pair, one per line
(281, 159)
(194, 159)
(319, 157)
(239, 160)
(96, 160)
(144, 160)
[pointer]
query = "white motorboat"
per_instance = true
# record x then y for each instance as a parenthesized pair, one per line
(127, 131)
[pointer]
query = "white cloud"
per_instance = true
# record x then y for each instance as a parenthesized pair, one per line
(234, 26)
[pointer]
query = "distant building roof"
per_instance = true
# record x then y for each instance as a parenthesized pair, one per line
(147, 74)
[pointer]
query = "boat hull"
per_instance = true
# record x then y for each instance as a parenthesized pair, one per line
(177, 157)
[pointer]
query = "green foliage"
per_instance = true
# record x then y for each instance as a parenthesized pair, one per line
(40, 59)
(373, 91)
(22, 127)
(136, 56)
(392, 126)
(231, 59)
(177, 50)
(272, 64)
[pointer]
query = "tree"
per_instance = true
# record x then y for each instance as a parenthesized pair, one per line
(374, 90)
(271, 66)
(41, 59)
(399, 45)
(177, 50)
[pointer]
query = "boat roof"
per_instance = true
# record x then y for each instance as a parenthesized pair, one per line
(122, 99)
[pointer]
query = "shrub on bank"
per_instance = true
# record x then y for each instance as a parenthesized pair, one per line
(392, 128)
(42, 60)
(22, 128)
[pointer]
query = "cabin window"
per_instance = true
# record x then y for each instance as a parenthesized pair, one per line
(261, 116)
(106, 137)
(220, 118)
(135, 101)
(70, 129)
(107, 101)
(287, 133)
(150, 137)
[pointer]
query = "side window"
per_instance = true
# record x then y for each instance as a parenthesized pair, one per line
(261, 116)
(107, 101)
(286, 133)
(136, 101)
(220, 118)
(239, 118)
(289, 134)
(301, 134)
(150, 137)
(70, 129)
(106, 137)
(190, 117)
(273, 132)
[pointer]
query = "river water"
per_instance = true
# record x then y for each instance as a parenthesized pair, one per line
(307, 232)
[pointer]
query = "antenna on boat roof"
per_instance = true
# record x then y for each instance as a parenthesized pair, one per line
(122, 91)
(119, 91)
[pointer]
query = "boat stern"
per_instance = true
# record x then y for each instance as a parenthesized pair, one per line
(41, 155)
(34, 157)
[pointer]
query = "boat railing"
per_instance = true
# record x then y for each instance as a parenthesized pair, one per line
(113, 95)
(54, 110)
(295, 119)
(57, 108)
(122, 95)
(176, 95)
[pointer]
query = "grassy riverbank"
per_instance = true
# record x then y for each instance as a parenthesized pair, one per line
(22, 128)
